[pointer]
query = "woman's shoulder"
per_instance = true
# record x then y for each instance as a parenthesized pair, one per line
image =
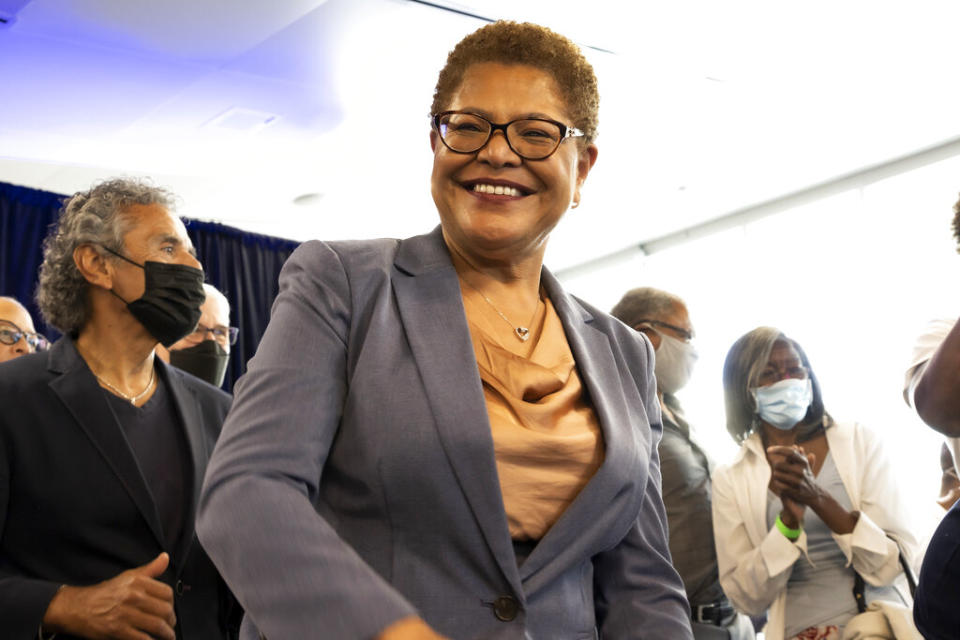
(624, 336)
(349, 253)
(329, 275)
(855, 432)
(413, 255)
(747, 457)
(854, 443)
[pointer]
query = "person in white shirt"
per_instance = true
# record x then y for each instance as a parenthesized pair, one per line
(932, 388)
(933, 376)
(806, 504)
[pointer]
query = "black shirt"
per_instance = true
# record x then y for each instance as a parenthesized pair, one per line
(157, 440)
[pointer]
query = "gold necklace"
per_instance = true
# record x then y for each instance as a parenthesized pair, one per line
(132, 399)
(522, 333)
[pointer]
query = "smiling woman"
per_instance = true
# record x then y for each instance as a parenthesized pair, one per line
(370, 484)
(508, 229)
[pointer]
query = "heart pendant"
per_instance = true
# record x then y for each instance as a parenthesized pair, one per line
(523, 333)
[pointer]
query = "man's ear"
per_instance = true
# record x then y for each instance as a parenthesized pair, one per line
(93, 266)
(433, 140)
(652, 334)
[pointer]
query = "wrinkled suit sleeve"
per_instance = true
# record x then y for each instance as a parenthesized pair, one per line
(638, 593)
(287, 566)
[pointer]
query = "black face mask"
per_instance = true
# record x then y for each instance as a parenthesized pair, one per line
(207, 360)
(170, 305)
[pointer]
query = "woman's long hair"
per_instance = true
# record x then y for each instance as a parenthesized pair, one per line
(745, 362)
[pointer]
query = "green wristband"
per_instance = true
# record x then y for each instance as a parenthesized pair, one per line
(789, 534)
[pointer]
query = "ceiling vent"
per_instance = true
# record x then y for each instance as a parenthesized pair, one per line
(243, 120)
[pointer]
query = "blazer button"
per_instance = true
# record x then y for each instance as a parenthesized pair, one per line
(506, 608)
(181, 588)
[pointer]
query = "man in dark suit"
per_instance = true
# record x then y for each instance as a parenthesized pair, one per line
(103, 447)
(205, 353)
(685, 465)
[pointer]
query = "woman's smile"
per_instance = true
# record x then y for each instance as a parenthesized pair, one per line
(493, 202)
(496, 190)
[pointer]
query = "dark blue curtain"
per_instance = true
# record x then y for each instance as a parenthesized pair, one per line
(25, 216)
(244, 266)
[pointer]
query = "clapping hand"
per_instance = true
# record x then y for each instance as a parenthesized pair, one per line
(791, 478)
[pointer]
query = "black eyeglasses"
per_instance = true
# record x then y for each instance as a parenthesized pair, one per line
(223, 335)
(11, 334)
(680, 331)
(529, 138)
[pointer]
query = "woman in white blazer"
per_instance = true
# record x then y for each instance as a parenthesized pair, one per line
(806, 502)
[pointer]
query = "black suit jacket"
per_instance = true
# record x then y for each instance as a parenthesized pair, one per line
(74, 507)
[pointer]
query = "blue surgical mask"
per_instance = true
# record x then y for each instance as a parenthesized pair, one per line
(783, 404)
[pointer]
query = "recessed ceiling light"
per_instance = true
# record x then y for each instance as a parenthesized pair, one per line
(308, 199)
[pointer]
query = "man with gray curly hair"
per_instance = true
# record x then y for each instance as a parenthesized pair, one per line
(103, 446)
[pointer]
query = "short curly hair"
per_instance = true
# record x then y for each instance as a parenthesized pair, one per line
(507, 42)
(87, 217)
(956, 223)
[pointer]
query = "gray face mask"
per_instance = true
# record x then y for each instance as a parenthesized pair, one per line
(674, 363)
(207, 360)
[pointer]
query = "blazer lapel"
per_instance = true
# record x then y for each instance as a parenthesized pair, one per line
(191, 421)
(583, 520)
(80, 393)
(428, 296)
(755, 496)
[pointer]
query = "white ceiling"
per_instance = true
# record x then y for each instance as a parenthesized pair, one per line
(706, 106)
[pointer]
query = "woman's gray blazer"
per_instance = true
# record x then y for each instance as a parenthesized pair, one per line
(354, 482)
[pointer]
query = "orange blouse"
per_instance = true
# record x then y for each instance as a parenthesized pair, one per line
(546, 437)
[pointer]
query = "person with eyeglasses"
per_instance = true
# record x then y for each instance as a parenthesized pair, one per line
(809, 508)
(102, 445)
(205, 352)
(684, 463)
(17, 334)
(434, 439)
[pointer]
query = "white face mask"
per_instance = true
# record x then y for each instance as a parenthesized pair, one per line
(783, 404)
(674, 363)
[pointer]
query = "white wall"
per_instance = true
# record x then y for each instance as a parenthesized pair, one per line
(853, 277)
